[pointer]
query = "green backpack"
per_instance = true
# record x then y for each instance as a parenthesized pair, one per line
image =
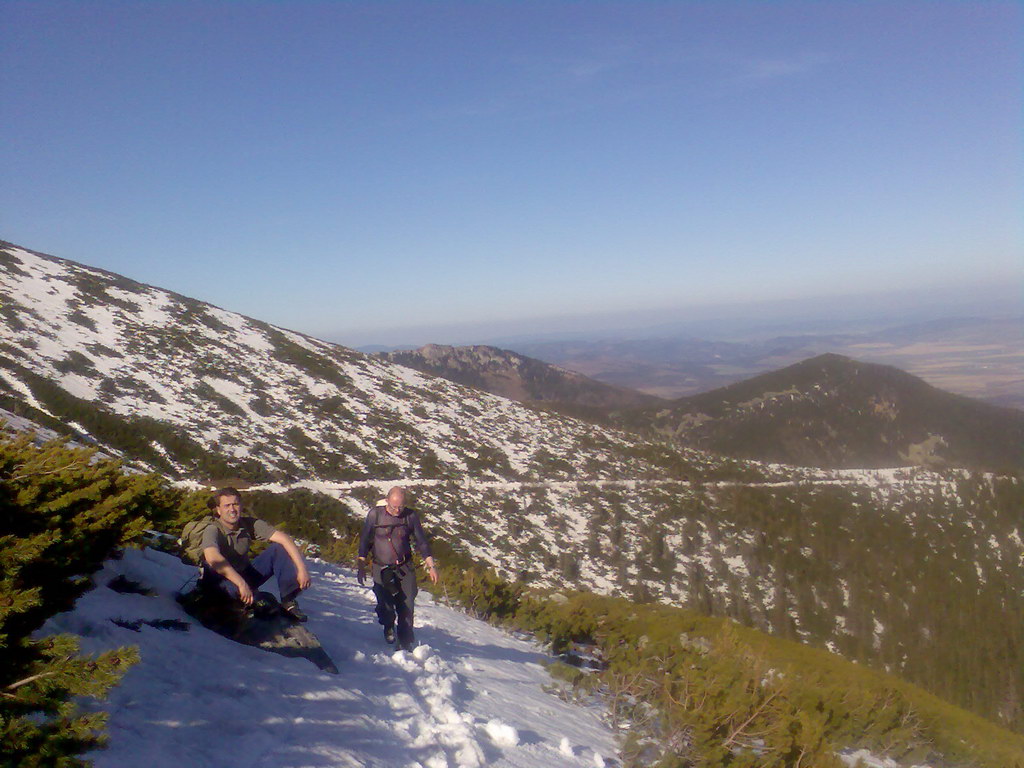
(191, 541)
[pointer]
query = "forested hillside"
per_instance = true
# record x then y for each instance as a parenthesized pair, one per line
(522, 378)
(832, 411)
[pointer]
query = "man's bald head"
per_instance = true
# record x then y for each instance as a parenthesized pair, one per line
(396, 498)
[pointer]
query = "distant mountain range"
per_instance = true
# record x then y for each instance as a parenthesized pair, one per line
(522, 378)
(827, 411)
(978, 357)
(831, 411)
(914, 571)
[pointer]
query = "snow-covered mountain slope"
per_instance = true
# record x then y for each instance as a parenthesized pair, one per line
(469, 696)
(184, 386)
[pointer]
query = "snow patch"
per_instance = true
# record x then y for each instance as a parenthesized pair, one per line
(501, 734)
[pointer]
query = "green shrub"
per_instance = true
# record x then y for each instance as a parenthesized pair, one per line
(62, 512)
(702, 691)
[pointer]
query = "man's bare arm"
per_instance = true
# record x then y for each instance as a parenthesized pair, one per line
(219, 563)
(301, 573)
(431, 568)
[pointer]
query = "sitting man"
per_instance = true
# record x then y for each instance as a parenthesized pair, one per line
(226, 555)
(388, 530)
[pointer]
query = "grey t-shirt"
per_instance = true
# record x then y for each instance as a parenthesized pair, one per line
(234, 545)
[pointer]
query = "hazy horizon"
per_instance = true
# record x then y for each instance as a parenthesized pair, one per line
(717, 322)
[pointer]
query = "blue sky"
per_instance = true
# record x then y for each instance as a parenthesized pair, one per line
(342, 168)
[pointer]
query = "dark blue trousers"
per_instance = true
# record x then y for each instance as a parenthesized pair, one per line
(273, 561)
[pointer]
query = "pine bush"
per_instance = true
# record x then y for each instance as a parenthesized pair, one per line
(63, 511)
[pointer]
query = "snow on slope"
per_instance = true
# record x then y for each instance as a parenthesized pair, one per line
(239, 387)
(469, 696)
(15, 424)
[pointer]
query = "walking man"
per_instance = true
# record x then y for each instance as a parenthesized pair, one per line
(389, 530)
(226, 561)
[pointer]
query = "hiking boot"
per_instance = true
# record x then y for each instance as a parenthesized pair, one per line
(291, 608)
(389, 635)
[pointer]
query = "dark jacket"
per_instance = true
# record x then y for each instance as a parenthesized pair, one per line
(390, 536)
